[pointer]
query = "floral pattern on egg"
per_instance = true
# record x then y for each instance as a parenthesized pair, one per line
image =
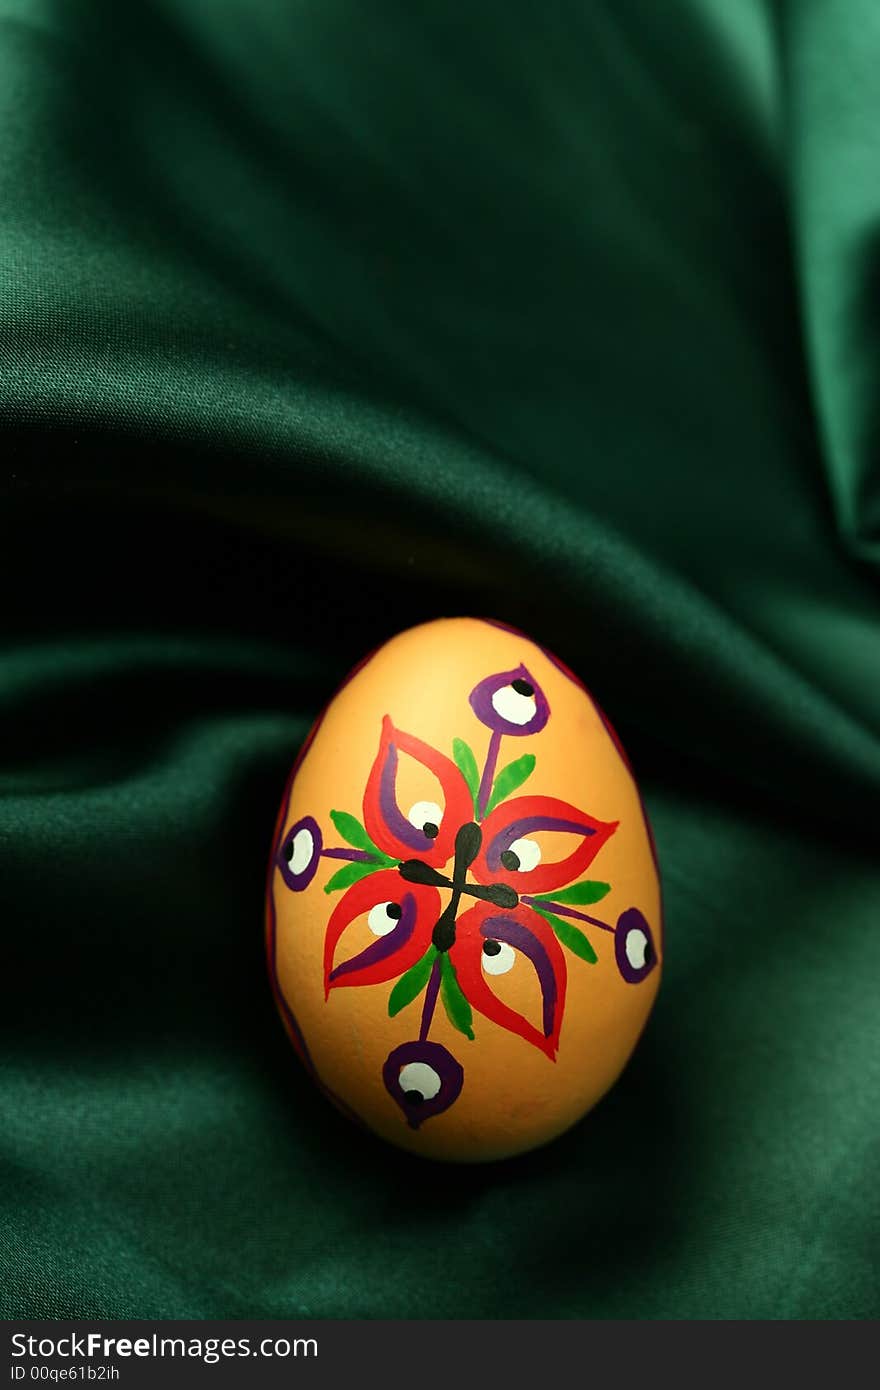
(485, 875)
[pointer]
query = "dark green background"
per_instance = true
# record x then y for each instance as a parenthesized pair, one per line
(320, 319)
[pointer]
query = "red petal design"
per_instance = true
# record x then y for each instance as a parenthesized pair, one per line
(386, 824)
(532, 936)
(385, 958)
(525, 815)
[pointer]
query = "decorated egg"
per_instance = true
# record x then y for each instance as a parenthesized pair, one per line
(463, 918)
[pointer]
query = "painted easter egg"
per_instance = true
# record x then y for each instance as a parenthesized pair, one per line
(463, 910)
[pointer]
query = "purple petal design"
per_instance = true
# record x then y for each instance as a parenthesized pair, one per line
(521, 939)
(527, 825)
(422, 1064)
(396, 821)
(634, 947)
(499, 688)
(304, 836)
(385, 945)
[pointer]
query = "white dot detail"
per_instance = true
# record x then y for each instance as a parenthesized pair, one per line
(418, 1076)
(528, 852)
(378, 920)
(503, 961)
(516, 708)
(425, 813)
(636, 948)
(303, 851)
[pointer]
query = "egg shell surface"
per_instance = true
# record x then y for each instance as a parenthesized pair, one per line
(463, 921)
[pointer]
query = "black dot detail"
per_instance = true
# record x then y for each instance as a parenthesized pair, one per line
(394, 910)
(522, 687)
(413, 1097)
(288, 851)
(430, 830)
(491, 948)
(509, 859)
(649, 953)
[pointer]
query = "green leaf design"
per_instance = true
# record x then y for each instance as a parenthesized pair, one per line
(454, 1002)
(351, 873)
(579, 894)
(467, 766)
(570, 936)
(412, 982)
(509, 778)
(351, 830)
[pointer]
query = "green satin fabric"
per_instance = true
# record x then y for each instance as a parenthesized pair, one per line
(317, 321)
